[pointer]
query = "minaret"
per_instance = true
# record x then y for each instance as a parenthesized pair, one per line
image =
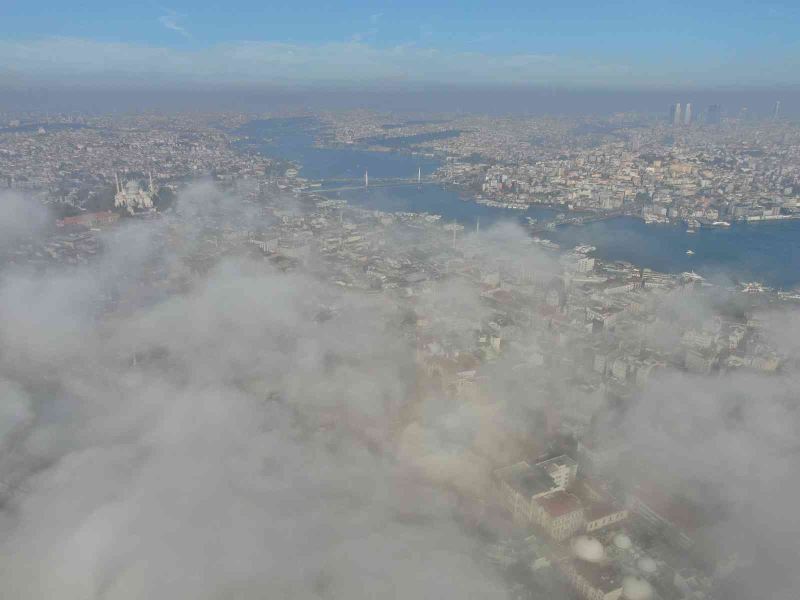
(478, 225)
(419, 175)
(366, 178)
(152, 189)
(116, 180)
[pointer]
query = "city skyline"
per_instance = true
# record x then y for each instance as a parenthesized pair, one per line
(218, 328)
(443, 300)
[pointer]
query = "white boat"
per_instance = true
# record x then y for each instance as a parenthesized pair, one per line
(754, 287)
(690, 252)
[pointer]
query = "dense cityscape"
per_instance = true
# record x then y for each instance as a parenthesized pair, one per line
(703, 174)
(678, 170)
(531, 373)
(399, 300)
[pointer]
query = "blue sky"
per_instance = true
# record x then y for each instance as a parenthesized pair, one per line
(581, 43)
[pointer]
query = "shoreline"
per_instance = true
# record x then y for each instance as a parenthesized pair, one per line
(551, 226)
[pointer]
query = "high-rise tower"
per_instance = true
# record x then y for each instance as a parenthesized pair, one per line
(687, 114)
(675, 113)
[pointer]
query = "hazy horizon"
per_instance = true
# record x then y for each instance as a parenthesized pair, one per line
(576, 44)
(358, 300)
(520, 100)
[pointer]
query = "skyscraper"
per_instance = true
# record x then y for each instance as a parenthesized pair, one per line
(675, 113)
(687, 114)
(777, 110)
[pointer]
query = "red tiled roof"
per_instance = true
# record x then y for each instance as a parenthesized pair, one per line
(599, 510)
(559, 504)
(89, 218)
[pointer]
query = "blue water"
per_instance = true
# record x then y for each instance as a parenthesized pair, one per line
(765, 252)
(293, 139)
(436, 199)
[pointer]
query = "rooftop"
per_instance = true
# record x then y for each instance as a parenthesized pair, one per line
(559, 504)
(525, 479)
(601, 576)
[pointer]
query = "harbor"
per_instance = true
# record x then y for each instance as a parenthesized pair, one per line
(402, 182)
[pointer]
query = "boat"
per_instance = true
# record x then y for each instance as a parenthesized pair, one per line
(545, 243)
(690, 252)
(721, 224)
(690, 230)
(754, 287)
(691, 276)
(650, 219)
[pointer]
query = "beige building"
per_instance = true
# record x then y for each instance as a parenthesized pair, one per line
(538, 494)
(600, 508)
(521, 484)
(593, 581)
(560, 514)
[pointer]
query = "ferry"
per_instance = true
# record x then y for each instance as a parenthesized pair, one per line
(545, 243)
(721, 224)
(691, 276)
(754, 287)
(650, 219)
(690, 252)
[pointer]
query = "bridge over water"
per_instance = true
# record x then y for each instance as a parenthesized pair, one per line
(352, 183)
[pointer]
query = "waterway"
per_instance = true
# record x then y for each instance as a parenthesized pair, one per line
(765, 252)
(293, 139)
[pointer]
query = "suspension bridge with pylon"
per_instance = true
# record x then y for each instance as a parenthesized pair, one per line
(343, 184)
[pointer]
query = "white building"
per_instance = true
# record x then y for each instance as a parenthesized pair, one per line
(133, 198)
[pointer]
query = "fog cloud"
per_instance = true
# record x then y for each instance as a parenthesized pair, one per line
(257, 433)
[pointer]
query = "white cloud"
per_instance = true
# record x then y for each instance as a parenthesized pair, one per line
(357, 60)
(170, 21)
(185, 476)
(62, 59)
